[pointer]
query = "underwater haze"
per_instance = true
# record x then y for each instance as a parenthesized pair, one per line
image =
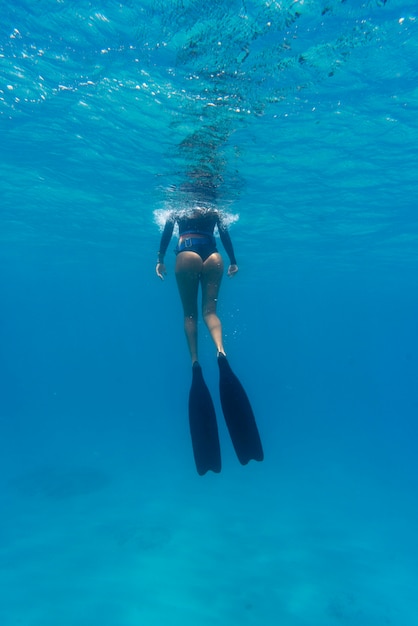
(301, 117)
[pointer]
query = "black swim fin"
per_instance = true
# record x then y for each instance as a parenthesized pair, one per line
(203, 425)
(238, 415)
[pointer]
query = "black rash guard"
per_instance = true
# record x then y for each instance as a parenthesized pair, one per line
(202, 224)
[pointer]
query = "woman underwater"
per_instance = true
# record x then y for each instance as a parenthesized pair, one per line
(198, 262)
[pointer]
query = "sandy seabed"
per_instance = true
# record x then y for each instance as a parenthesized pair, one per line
(254, 545)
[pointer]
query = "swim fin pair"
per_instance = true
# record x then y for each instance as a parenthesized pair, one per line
(239, 418)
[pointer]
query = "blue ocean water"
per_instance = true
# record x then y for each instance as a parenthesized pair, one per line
(304, 116)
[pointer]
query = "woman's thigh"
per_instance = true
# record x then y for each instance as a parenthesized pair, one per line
(188, 272)
(211, 278)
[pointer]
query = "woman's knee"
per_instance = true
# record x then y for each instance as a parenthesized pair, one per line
(190, 317)
(210, 318)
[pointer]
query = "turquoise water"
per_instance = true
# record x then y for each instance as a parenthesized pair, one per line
(304, 116)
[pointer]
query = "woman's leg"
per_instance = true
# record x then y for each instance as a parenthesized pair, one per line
(211, 278)
(188, 270)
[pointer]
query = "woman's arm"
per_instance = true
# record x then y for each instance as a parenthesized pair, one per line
(229, 248)
(165, 240)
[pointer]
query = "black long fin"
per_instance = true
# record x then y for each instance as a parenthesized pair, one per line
(203, 425)
(239, 416)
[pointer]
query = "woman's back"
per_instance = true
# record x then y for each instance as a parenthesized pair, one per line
(197, 221)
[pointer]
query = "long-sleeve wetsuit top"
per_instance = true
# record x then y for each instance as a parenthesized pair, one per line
(199, 222)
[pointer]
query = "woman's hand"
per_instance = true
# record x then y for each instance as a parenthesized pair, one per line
(160, 270)
(232, 270)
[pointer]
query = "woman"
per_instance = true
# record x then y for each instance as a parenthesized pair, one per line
(199, 262)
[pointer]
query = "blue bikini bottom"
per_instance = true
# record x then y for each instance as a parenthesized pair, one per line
(203, 246)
